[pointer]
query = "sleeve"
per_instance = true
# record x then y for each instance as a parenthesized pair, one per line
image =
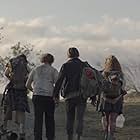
(8, 71)
(30, 80)
(59, 82)
(28, 69)
(123, 82)
(55, 76)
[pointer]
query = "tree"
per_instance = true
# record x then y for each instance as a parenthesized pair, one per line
(21, 49)
(16, 50)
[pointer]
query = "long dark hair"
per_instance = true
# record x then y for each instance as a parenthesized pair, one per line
(73, 53)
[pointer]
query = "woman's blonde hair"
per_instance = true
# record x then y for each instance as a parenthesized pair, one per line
(111, 64)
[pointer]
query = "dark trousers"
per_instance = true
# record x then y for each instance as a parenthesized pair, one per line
(44, 105)
(75, 108)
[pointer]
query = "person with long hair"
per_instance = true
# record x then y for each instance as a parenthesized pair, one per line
(112, 101)
(17, 71)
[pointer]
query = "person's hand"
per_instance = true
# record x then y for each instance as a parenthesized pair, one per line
(124, 92)
(56, 101)
(93, 100)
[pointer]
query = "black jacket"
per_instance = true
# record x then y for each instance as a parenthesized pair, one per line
(69, 77)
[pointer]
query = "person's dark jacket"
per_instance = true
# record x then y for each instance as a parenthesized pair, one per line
(69, 77)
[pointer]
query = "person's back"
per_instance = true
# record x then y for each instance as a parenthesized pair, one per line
(72, 70)
(112, 103)
(44, 79)
(16, 98)
(19, 73)
(69, 84)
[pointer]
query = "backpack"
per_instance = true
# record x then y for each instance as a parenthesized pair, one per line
(90, 81)
(19, 72)
(112, 85)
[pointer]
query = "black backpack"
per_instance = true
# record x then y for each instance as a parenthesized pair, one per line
(19, 72)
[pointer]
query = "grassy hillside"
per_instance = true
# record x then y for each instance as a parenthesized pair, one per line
(92, 129)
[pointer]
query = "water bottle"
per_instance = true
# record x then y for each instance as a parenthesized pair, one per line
(120, 121)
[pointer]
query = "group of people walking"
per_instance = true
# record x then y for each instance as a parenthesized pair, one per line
(47, 84)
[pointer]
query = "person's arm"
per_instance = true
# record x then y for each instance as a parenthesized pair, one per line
(59, 82)
(8, 70)
(123, 82)
(55, 76)
(28, 69)
(29, 81)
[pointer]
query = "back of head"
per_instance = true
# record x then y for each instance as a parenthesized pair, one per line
(47, 58)
(112, 64)
(23, 56)
(113, 74)
(73, 53)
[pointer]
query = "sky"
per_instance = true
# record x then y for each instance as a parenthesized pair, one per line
(97, 27)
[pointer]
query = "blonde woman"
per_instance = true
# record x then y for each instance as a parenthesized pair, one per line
(113, 91)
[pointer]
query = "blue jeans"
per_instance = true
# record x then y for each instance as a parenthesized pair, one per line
(75, 108)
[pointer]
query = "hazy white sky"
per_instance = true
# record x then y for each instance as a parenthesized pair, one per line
(69, 11)
(97, 27)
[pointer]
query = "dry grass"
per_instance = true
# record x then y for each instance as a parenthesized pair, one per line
(92, 129)
(132, 98)
(131, 130)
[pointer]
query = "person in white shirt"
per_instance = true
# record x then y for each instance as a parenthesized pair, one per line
(41, 82)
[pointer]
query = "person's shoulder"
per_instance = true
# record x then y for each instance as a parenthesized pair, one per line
(65, 64)
(71, 61)
(79, 61)
(37, 68)
(53, 68)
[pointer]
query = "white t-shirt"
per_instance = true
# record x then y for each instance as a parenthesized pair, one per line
(43, 79)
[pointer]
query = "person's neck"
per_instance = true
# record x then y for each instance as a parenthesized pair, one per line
(46, 63)
(73, 58)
